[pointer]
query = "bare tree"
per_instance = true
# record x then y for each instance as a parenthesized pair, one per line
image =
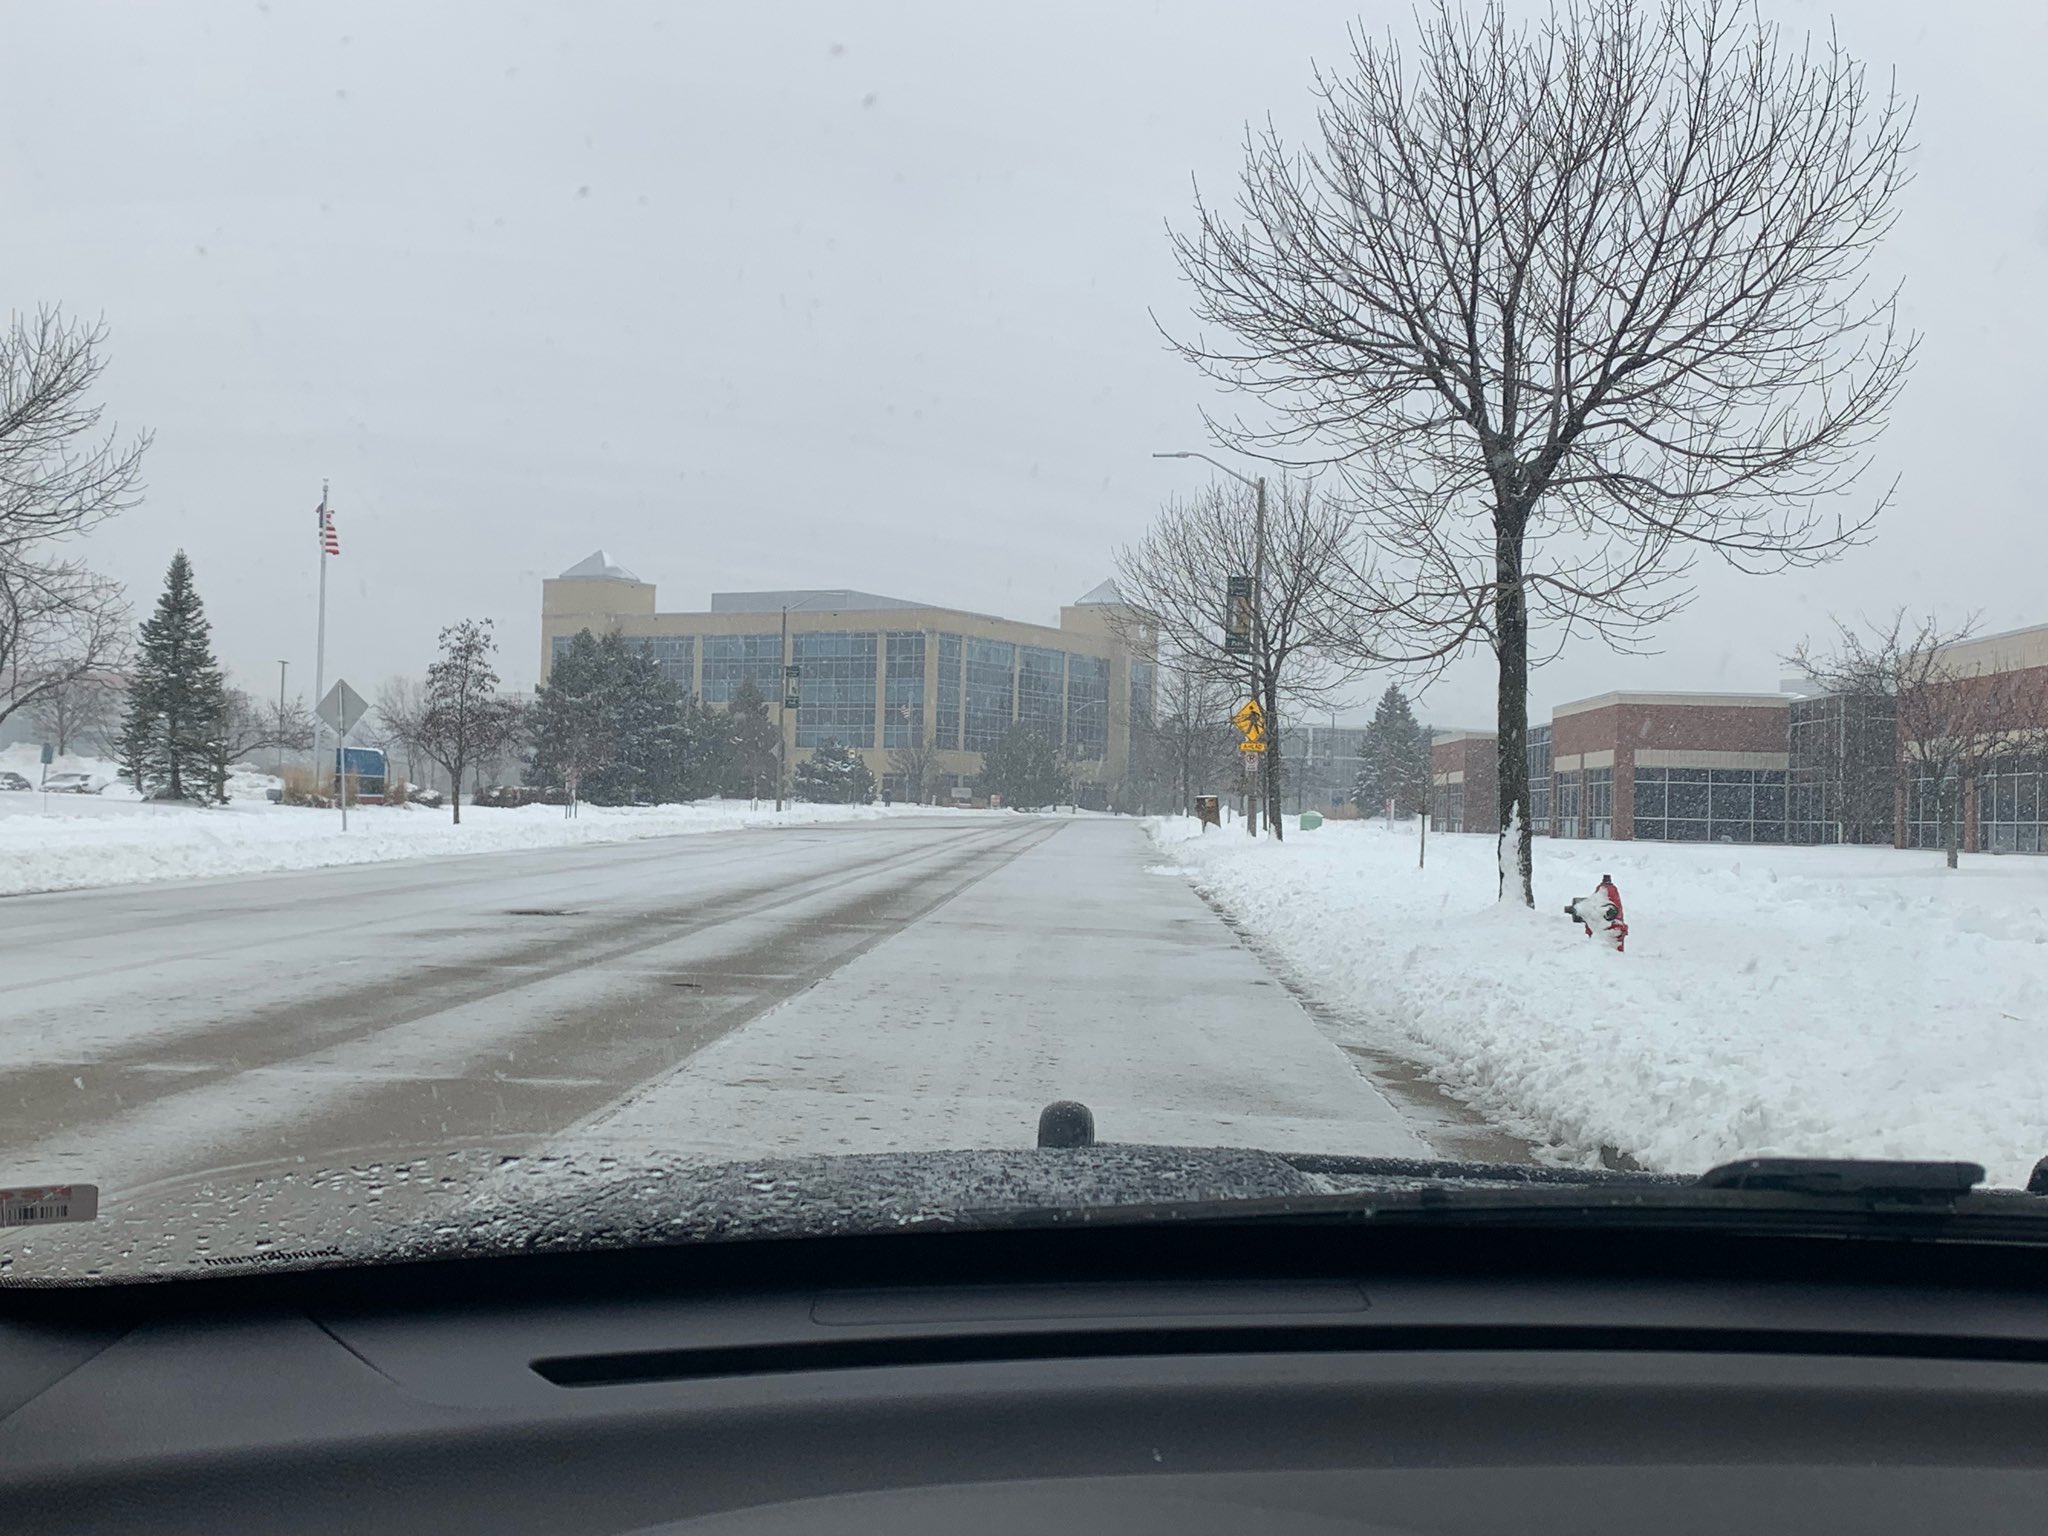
(1302, 635)
(401, 707)
(915, 764)
(249, 726)
(58, 621)
(81, 707)
(1568, 305)
(1190, 735)
(465, 722)
(61, 630)
(1954, 713)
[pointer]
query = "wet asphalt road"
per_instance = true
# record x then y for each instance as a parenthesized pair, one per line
(151, 1031)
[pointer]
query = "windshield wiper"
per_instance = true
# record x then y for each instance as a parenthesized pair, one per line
(1848, 1178)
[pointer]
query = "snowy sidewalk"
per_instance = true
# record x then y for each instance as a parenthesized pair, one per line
(1076, 971)
(1794, 1001)
(88, 840)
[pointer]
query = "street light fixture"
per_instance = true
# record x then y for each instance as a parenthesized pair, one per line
(1258, 484)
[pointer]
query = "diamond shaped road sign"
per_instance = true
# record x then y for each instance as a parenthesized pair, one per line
(341, 709)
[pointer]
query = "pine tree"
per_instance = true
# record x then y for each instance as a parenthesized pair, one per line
(833, 775)
(573, 733)
(1024, 768)
(177, 701)
(755, 743)
(611, 722)
(711, 762)
(1396, 759)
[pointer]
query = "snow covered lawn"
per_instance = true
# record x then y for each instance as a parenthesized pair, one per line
(1793, 1001)
(62, 842)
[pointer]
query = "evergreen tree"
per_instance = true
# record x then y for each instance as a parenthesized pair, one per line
(833, 775)
(611, 723)
(177, 701)
(573, 734)
(1396, 759)
(754, 757)
(1024, 768)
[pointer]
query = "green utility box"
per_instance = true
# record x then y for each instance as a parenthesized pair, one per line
(1310, 820)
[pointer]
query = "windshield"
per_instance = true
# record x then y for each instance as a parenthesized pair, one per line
(629, 593)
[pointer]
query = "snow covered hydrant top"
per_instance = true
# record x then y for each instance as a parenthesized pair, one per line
(1601, 911)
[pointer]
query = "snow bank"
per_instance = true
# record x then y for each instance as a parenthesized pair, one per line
(62, 842)
(1790, 1001)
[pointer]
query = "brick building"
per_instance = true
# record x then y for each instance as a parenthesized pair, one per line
(1464, 782)
(1671, 767)
(1769, 767)
(2005, 802)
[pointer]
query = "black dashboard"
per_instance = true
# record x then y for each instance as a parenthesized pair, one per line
(1129, 1380)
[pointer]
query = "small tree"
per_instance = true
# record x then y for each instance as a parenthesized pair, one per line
(1953, 714)
(1189, 746)
(401, 706)
(464, 721)
(1302, 646)
(1025, 768)
(756, 758)
(177, 702)
(1396, 759)
(79, 706)
(833, 775)
(249, 726)
(914, 764)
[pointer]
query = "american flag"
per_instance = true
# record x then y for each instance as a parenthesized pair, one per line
(330, 541)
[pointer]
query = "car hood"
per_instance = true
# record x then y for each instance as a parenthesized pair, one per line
(481, 1199)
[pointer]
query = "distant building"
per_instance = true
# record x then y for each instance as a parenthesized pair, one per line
(1762, 768)
(1320, 764)
(1671, 767)
(1464, 782)
(1842, 775)
(885, 675)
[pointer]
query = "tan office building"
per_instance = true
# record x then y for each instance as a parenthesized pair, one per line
(882, 674)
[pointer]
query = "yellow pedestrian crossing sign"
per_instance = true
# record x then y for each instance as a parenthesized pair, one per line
(1250, 721)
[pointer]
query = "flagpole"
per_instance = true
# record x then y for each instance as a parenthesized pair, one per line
(320, 645)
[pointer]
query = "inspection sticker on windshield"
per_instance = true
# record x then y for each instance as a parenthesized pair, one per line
(44, 1203)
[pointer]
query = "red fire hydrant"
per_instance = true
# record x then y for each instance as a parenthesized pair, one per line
(1601, 910)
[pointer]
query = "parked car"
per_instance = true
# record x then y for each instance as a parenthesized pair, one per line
(71, 784)
(14, 781)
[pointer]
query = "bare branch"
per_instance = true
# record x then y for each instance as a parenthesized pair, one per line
(1303, 646)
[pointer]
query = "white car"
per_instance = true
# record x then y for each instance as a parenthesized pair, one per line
(71, 784)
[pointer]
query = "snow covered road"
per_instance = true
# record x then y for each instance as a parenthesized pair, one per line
(898, 983)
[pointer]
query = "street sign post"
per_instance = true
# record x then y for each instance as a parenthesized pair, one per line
(340, 711)
(791, 686)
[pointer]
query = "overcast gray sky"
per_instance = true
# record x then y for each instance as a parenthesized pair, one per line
(817, 295)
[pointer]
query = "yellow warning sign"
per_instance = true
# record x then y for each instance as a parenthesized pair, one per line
(1250, 721)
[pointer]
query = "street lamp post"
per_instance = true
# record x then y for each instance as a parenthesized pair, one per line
(1258, 485)
(1078, 709)
(281, 666)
